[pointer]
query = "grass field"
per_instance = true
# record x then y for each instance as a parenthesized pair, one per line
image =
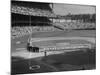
(64, 61)
(73, 33)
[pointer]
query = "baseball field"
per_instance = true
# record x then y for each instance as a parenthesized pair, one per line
(54, 61)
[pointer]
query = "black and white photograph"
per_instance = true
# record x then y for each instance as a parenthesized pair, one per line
(52, 37)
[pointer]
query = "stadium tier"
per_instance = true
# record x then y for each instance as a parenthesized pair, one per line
(36, 12)
(32, 8)
(30, 17)
(26, 30)
(31, 11)
(75, 25)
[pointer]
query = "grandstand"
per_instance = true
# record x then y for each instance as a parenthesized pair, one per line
(37, 13)
(75, 25)
(68, 22)
(30, 17)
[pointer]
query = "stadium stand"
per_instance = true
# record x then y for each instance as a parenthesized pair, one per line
(40, 14)
(77, 25)
(26, 30)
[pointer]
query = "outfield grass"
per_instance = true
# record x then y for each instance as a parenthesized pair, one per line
(77, 33)
(62, 62)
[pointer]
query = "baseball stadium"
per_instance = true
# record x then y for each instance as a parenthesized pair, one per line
(43, 41)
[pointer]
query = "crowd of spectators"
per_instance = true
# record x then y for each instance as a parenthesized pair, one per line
(31, 11)
(26, 30)
(18, 31)
(76, 25)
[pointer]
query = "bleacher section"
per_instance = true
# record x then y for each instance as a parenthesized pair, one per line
(21, 31)
(75, 25)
